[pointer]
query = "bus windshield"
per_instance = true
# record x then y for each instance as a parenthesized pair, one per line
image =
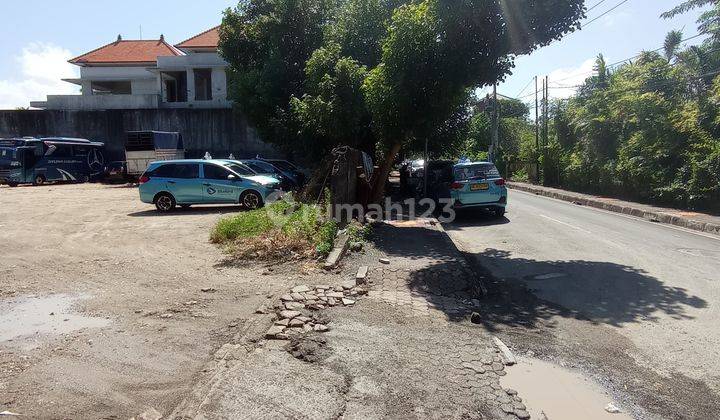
(7, 153)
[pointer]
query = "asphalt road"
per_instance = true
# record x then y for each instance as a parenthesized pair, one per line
(656, 285)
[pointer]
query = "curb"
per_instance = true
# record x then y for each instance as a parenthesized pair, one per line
(652, 216)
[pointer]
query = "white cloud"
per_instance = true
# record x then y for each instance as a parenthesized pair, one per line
(563, 81)
(41, 66)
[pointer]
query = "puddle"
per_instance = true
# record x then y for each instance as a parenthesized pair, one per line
(559, 393)
(26, 322)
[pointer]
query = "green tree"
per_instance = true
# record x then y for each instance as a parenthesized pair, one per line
(672, 42)
(267, 44)
(436, 51)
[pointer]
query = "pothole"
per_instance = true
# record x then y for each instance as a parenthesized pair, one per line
(28, 321)
(550, 391)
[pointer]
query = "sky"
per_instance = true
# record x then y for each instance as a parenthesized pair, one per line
(37, 38)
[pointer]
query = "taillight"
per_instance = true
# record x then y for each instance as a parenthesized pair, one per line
(143, 179)
(456, 186)
(500, 182)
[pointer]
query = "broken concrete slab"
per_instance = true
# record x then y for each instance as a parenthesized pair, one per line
(338, 252)
(361, 276)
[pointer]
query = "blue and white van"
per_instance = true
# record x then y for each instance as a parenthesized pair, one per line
(172, 183)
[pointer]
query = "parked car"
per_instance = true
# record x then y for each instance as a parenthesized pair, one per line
(288, 180)
(245, 170)
(195, 181)
(299, 173)
(478, 185)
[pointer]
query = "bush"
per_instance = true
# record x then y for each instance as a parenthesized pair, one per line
(521, 175)
(281, 230)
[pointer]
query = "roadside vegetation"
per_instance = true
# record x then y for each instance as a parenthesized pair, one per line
(282, 230)
(647, 129)
(383, 76)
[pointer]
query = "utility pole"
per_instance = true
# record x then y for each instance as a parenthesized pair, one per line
(545, 112)
(496, 125)
(537, 131)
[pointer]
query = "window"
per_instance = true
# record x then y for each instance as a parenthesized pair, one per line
(480, 171)
(175, 86)
(186, 171)
(176, 170)
(215, 172)
(59, 150)
(203, 84)
(122, 87)
(240, 169)
(164, 171)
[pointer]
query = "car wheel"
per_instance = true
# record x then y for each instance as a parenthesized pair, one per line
(165, 202)
(85, 179)
(251, 200)
(499, 212)
(39, 180)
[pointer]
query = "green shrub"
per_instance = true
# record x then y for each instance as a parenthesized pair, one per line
(279, 229)
(521, 175)
(325, 238)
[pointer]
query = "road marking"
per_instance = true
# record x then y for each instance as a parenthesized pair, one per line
(625, 216)
(566, 224)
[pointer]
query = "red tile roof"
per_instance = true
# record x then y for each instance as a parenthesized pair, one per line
(207, 39)
(128, 52)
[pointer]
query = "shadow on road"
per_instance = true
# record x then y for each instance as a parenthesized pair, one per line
(599, 292)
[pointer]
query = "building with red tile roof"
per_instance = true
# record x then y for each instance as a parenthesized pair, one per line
(149, 74)
(205, 41)
(128, 52)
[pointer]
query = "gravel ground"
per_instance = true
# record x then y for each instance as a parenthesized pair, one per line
(102, 313)
(405, 350)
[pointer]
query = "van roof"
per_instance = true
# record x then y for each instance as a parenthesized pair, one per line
(473, 163)
(218, 161)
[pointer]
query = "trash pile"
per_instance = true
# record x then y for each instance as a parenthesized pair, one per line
(297, 312)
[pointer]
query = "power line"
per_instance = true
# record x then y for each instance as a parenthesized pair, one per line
(526, 86)
(596, 5)
(605, 13)
(617, 63)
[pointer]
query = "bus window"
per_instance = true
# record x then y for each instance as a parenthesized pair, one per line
(59, 150)
(80, 151)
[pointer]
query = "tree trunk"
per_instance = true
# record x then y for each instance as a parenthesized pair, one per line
(381, 177)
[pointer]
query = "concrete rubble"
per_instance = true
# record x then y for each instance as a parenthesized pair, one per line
(295, 310)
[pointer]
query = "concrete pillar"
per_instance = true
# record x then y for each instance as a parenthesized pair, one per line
(86, 88)
(191, 85)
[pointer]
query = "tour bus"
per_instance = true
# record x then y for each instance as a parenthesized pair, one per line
(39, 160)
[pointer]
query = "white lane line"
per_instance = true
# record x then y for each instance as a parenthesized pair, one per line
(625, 216)
(566, 224)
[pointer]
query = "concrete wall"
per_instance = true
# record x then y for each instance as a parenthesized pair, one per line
(145, 87)
(92, 102)
(115, 73)
(219, 131)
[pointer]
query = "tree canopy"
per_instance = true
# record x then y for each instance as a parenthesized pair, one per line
(311, 74)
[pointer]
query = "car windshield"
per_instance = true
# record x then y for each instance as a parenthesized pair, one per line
(478, 171)
(283, 165)
(261, 167)
(240, 169)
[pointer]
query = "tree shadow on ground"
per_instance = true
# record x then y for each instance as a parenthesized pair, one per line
(595, 291)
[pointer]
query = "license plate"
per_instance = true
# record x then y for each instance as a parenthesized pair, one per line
(479, 187)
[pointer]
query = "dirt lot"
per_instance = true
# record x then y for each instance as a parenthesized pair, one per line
(102, 308)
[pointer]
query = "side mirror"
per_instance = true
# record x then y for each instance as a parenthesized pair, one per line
(232, 177)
